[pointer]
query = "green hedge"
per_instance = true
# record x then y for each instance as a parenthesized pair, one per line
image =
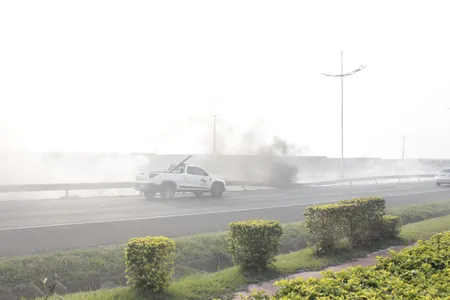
(391, 226)
(324, 222)
(366, 215)
(149, 262)
(254, 244)
(420, 272)
(348, 223)
(420, 212)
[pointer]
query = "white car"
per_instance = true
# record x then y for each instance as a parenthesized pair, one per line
(442, 177)
(184, 178)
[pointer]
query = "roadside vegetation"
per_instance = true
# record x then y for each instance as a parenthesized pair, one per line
(198, 261)
(419, 272)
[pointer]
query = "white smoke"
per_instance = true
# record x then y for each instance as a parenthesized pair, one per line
(42, 168)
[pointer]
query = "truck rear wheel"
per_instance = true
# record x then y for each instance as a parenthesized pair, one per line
(168, 191)
(216, 190)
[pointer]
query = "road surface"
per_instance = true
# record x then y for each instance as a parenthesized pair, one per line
(35, 226)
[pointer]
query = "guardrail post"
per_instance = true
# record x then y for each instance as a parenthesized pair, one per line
(67, 193)
(376, 181)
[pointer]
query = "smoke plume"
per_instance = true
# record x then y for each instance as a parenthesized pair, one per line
(42, 168)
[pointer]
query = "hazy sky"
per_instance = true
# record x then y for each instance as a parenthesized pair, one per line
(144, 75)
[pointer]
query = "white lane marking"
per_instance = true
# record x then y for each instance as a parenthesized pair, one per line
(165, 217)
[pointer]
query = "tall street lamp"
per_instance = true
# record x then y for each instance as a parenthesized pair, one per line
(342, 104)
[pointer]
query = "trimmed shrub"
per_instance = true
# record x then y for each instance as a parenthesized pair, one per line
(348, 223)
(254, 244)
(430, 256)
(326, 224)
(390, 226)
(363, 221)
(149, 262)
(420, 272)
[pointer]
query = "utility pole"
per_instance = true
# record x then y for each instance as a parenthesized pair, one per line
(342, 104)
(403, 151)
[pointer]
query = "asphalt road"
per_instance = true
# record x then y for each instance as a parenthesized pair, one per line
(35, 226)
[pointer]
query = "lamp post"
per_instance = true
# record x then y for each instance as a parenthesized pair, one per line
(342, 104)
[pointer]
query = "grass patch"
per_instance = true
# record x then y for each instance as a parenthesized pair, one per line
(91, 269)
(82, 268)
(203, 287)
(201, 246)
(225, 283)
(417, 213)
(425, 229)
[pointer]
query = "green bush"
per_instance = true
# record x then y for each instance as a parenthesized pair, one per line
(258, 295)
(348, 223)
(326, 224)
(390, 226)
(149, 262)
(254, 244)
(420, 272)
(363, 220)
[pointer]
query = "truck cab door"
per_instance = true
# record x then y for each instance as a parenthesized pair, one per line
(199, 178)
(205, 179)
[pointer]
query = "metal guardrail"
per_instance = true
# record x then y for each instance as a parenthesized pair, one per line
(373, 178)
(124, 185)
(64, 186)
(15, 188)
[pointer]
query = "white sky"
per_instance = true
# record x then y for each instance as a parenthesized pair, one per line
(143, 75)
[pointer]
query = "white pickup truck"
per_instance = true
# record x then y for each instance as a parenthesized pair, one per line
(184, 177)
